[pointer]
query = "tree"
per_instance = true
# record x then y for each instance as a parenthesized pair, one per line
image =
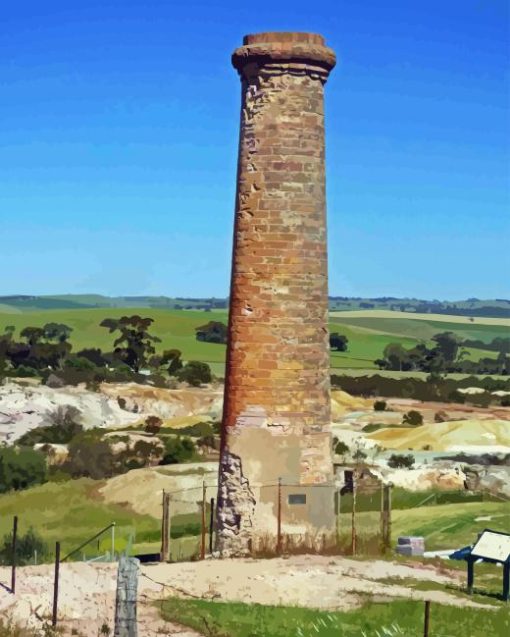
(395, 358)
(212, 332)
(58, 332)
(135, 339)
(195, 373)
(90, 456)
(171, 359)
(153, 425)
(401, 461)
(94, 355)
(412, 418)
(380, 405)
(338, 342)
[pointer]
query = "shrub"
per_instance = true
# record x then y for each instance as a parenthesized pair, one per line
(26, 545)
(153, 425)
(195, 373)
(90, 456)
(401, 461)
(440, 416)
(412, 418)
(177, 450)
(62, 430)
(21, 468)
(380, 405)
(339, 447)
(505, 401)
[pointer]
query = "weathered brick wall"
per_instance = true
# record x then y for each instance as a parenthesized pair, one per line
(277, 380)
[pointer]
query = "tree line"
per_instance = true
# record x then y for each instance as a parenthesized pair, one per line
(40, 350)
(447, 354)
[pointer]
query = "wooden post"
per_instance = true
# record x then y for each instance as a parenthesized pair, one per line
(211, 526)
(113, 542)
(14, 548)
(386, 517)
(279, 519)
(165, 528)
(55, 585)
(426, 622)
(125, 603)
(202, 543)
(353, 518)
(338, 524)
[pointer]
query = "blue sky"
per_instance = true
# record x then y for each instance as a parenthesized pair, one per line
(119, 129)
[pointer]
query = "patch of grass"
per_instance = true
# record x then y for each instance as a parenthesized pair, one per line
(220, 619)
(71, 512)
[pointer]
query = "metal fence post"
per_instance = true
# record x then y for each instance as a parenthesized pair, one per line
(55, 585)
(203, 529)
(279, 520)
(113, 541)
(211, 526)
(426, 622)
(14, 542)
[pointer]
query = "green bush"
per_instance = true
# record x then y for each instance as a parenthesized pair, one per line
(401, 461)
(412, 418)
(62, 430)
(380, 405)
(26, 545)
(90, 456)
(178, 450)
(21, 468)
(195, 373)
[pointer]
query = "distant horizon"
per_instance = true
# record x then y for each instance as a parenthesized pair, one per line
(226, 296)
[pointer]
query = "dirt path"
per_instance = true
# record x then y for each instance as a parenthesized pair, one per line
(87, 591)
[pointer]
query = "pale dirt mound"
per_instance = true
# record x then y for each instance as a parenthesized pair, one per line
(343, 403)
(469, 435)
(141, 489)
(166, 403)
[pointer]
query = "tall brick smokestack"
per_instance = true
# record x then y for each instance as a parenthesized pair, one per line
(277, 389)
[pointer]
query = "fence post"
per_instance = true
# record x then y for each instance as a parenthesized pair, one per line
(125, 602)
(279, 519)
(211, 526)
(202, 539)
(338, 508)
(55, 585)
(113, 541)
(427, 620)
(353, 518)
(386, 517)
(165, 528)
(14, 547)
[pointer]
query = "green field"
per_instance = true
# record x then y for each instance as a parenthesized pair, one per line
(368, 335)
(383, 619)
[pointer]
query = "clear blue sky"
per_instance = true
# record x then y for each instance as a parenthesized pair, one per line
(118, 141)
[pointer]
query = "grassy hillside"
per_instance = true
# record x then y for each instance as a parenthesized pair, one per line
(368, 333)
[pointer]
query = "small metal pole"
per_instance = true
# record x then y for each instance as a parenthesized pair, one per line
(14, 547)
(113, 541)
(279, 521)
(470, 575)
(506, 581)
(202, 543)
(427, 619)
(55, 585)
(211, 526)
